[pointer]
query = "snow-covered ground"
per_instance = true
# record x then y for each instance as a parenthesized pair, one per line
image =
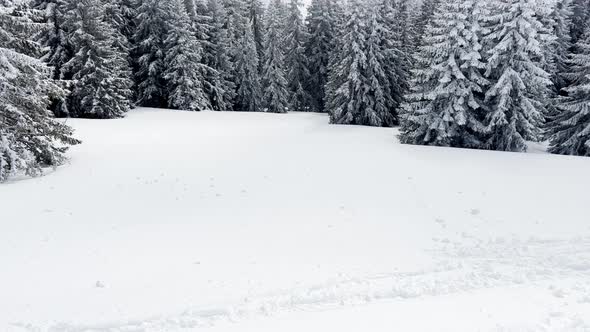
(178, 221)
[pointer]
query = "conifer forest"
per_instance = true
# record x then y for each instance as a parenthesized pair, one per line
(455, 73)
(294, 165)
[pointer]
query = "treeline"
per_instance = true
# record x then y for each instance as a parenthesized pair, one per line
(461, 73)
(495, 74)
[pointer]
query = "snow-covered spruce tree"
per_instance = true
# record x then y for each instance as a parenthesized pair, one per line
(282, 11)
(59, 50)
(235, 20)
(191, 9)
(404, 42)
(295, 60)
(580, 19)
(30, 138)
(562, 18)
(273, 72)
(445, 106)
(149, 52)
(125, 24)
(101, 86)
(321, 24)
(544, 12)
(404, 31)
(380, 74)
(248, 94)
(118, 15)
(201, 8)
(255, 15)
(115, 16)
(555, 19)
(519, 85)
(569, 132)
(53, 37)
(201, 22)
(215, 86)
(392, 56)
(217, 57)
(185, 73)
(423, 19)
(128, 9)
(357, 84)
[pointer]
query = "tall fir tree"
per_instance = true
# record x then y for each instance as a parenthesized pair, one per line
(545, 14)
(282, 13)
(116, 15)
(215, 85)
(101, 85)
(380, 74)
(519, 85)
(127, 26)
(243, 63)
(357, 84)
(235, 20)
(190, 7)
(273, 70)
(185, 72)
(423, 19)
(580, 19)
(445, 106)
(128, 10)
(569, 132)
(555, 19)
(218, 57)
(149, 52)
(404, 37)
(248, 94)
(562, 17)
(30, 138)
(404, 29)
(321, 24)
(345, 82)
(59, 48)
(53, 36)
(296, 63)
(394, 57)
(256, 15)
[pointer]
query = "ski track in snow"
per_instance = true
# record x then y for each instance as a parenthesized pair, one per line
(460, 268)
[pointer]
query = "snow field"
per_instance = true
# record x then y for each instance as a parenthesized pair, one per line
(178, 221)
